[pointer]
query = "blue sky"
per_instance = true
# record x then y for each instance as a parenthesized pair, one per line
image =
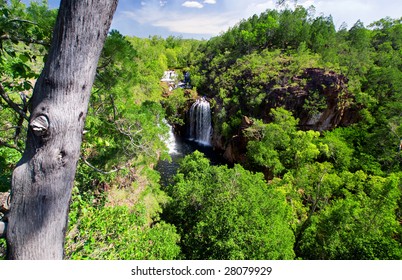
(206, 18)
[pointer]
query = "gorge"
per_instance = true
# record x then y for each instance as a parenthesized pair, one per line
(317, 98)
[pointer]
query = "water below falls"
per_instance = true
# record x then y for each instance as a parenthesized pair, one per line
(178, 149)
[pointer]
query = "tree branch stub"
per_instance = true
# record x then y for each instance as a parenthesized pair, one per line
(39, 125)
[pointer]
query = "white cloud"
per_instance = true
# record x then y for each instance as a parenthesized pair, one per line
(244, 9)
(192, 4)
(152, 18)
(185, 23)
(210, 25)
(350, 11)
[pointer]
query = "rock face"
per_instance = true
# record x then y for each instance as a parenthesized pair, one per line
(236, 149)
(318, 98)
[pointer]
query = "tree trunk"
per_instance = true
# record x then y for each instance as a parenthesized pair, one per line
(43, 179)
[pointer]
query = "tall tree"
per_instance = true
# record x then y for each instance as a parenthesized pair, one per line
(43, 179)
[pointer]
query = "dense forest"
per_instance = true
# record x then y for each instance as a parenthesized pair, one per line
(307, 117)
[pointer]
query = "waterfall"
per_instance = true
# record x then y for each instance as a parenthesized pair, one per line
(200, 128)
(171, 140)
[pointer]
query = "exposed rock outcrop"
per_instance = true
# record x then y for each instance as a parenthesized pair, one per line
(318, 98)
(235, 150)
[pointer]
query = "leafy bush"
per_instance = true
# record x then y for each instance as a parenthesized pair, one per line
(3, 249)
(117, 233)
(8, 159)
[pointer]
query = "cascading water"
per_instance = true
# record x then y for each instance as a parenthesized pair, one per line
(199, 132)
(171, 142)
(200, 128)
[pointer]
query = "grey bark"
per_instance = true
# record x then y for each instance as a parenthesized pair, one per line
(43, 179)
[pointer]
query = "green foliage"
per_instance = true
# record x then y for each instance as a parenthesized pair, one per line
(361, 225)
(280, 146)
(117, 233)
(134, 134)
(336, 214)
(8, 158)
(3, 249)
(315, 103)
(336, 149)
(24, 38)
(224, 213)
(175, 105)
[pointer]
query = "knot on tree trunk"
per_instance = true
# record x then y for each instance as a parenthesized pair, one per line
(39, 125)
